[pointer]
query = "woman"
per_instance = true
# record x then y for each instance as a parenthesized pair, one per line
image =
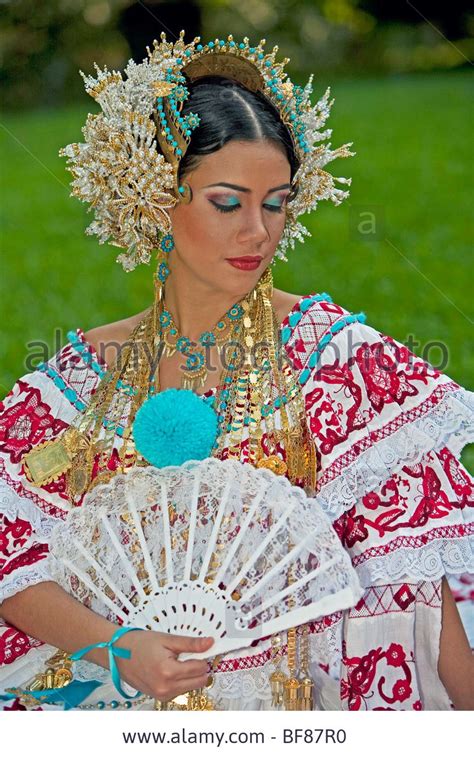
(385, 427)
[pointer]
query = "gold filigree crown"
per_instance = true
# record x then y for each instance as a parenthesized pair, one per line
(130, 183)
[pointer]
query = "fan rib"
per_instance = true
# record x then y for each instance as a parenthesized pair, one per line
(192, 529)
(215, 529)
(341, 600)
(144, 547)
(126, 562)
(280, 565)
(241, 534)
(166, 533)
(97, 591)
(261, 548)
(102, 573)
(288, 590)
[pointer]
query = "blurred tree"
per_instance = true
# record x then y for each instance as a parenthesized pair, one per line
(43, 43)
(142, 22)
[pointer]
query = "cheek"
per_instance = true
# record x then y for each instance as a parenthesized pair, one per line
(279, 224)
(198, 224)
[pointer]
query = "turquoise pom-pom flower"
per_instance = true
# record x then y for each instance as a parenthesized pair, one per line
(174, 426)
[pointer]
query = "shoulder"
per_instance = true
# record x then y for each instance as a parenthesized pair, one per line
(283, 303)
(108, 339)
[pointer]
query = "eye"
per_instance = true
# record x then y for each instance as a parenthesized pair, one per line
(273, 207)
(227, 208)
(277, 204)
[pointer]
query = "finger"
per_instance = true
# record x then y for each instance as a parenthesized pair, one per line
(189, 685)
(178, 644)
(192, 669)
(175, 670)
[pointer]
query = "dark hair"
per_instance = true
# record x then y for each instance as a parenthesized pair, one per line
(229, 111)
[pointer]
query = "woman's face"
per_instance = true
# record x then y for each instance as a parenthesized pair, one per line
(238, 209)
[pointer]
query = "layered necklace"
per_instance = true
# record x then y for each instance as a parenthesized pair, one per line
(195, 371)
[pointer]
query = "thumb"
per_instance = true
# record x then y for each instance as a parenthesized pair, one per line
(180, 644)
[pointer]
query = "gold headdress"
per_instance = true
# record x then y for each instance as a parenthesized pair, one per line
(130, 184)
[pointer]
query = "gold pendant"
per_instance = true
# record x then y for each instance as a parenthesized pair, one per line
(77, 482)
(193, 381)
(50, 459)
(190, 701)
(273, 463)
(198, 700)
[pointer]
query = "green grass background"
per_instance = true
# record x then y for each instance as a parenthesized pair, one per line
(413, 138)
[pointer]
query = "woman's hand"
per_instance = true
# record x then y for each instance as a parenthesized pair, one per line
(154, 668)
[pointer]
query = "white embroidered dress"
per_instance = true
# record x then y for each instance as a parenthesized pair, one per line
(389, 429)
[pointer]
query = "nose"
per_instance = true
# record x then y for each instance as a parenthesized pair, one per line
(253, 229)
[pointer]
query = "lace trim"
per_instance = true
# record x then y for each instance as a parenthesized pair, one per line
(23, 578)
(429, 562)
(450, 423)
(17, 486)
(13, 506)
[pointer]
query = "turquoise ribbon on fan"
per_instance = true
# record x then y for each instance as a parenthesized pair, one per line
(77, 691)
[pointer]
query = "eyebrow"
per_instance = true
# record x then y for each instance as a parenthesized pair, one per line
(247, 189)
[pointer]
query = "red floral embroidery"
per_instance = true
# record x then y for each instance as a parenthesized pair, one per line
(413, 498)
(326, 418)
(350, 528)
(14, 644)
(395, 655)
(27, 423)
(358, 689)
(461, 483)
(387, 380)
(13, 535)
(34, 554)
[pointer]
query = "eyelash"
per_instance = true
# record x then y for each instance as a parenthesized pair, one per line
(228, 209)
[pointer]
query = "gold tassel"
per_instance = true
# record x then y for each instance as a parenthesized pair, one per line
(292, 683)
(306, 694)
(306, 701)
(277, 678)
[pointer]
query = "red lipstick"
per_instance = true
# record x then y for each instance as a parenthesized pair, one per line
(246, 262)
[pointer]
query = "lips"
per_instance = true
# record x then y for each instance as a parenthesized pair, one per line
(247, 259)
(246, 263)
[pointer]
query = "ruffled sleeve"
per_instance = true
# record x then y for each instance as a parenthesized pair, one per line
(389, 429)
(38, 408)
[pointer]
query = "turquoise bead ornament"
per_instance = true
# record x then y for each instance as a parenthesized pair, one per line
(174, 426)
(167, 243)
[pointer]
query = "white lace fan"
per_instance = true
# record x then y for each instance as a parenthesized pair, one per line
(207, 548)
